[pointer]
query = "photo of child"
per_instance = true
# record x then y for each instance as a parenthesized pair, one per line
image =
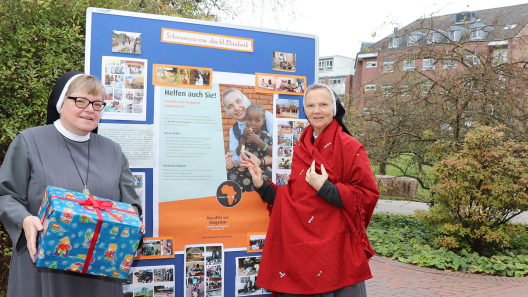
(255, 141)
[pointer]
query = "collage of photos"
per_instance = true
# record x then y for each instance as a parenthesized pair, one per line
(288, 134)
(125, 87)
(284, 61)
(182, 76)
(149, 281)
(251, 133)
(139, 186)
(280, 84)
(126, 42)
(204, 271)
(246, 277)
(256, 242)
(155, 248)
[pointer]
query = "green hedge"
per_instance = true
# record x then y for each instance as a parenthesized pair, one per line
(40, 41)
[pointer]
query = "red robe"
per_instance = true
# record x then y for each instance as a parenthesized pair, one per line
(311, 245)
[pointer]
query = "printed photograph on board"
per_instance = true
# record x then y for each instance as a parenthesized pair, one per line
(194, 286)
(156, 281)
(200, 77)
(163, 291)
(213, 255)
(164, 275)
(144, 291)
(280, 84)
(246, 276)
(266, 82)
(124, 80)
(284, 61)
(246, 286)
(214, 288)
(154, 248)
(182, 76)
(284, 163)
(248, 124)
(248, 266)
(126, 42)
(143, 276)
(287, 108)
(289, 84)
(282, 179)
(256, 242)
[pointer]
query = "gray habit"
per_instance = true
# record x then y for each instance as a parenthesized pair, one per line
(38, 157)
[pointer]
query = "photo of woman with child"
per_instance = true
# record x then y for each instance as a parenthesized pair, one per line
(249, 138)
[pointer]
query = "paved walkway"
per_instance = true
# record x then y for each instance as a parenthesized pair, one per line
(393, 278)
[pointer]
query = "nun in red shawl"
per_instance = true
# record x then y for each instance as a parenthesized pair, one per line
(316, 241)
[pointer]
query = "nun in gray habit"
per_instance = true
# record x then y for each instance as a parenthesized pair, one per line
(66, 153)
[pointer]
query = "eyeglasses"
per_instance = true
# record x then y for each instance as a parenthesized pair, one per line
(321, 105)
(83, 103)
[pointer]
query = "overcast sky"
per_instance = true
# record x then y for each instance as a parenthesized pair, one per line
(342, 24)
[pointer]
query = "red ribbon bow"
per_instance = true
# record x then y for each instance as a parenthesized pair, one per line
(100, 204)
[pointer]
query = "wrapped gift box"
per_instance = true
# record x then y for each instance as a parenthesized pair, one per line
(87, 234)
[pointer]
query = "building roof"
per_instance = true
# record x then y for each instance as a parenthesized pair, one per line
(501, 19)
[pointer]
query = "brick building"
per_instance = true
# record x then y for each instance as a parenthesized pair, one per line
(496, 33)
(338, 73)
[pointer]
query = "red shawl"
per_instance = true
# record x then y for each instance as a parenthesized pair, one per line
(311, 245)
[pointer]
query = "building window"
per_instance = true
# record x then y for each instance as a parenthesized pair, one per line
(336, 80)
(388, 65)
(369, 88)
(472, 60)
(449, 63)
(326, 64)
(476, 34)
(329, 64)
(393, 42)
(425, 87)
(405, 89)
(368, 110)
(371, 64)
(408, 65)
(455, 35)
(386, 90)
(500, 56)
(428, 64)
(412, 40)
(321, 80)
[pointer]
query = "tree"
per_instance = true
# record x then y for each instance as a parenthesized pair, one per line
(41, 41)
(38, 43)
(439, 87)
(483, 185)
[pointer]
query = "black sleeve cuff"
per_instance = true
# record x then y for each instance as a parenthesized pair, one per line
(330, 193)
(267, 192)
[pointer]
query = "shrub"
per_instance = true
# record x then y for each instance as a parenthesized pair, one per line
(482, 186)
(407, 240)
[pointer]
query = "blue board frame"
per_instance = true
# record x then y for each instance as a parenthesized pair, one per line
(99, 26)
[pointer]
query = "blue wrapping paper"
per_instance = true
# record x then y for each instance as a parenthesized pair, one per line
(69, 229)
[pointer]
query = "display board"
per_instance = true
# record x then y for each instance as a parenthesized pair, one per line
(179, 94)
